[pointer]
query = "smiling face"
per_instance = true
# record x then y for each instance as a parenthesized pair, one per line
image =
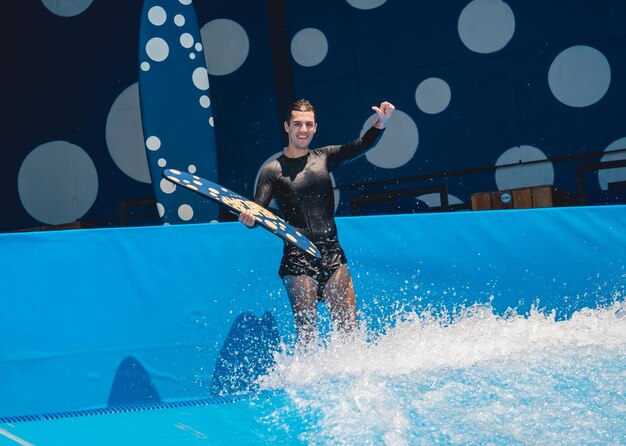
(301, 128)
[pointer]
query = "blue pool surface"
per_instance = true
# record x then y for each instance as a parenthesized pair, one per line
(502, 327)
(424, 382)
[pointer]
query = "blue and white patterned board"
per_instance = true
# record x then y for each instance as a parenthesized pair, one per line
(176, 108)
(237, 203)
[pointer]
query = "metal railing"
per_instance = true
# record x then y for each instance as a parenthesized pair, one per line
(371, 192)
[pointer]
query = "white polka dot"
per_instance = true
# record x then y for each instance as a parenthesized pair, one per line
(157, 15)
(198, 46)
(513, 177)
(157, 49)
(153, 143)
(162, 162)
(205, 101)
(124, 136)
(185, 212)
(211, 121)
(186, 40)
(160, 209)
(200, 78)
(145, 66)
(434, 200)
(615, 175)
(486, 26)
(67, 8)
(579, 76)
(432, 95)
(185, 2)
(57, 183)
(191, 168)
(226, 46)
(398, 144)
(366, 4)
(192, 56)
(179, 20)
(167, 187)
(309, 47)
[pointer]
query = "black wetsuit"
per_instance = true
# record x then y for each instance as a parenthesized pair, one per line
(304, 192)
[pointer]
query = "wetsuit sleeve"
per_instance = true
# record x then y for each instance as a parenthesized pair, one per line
(264, 189)
(338, 155)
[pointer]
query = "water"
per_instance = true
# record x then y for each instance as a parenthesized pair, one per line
(471, 378)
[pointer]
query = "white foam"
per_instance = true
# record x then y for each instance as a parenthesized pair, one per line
(475, 377)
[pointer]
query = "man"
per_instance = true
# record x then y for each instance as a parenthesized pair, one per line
(300, 181)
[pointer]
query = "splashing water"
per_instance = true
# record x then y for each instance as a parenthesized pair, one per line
(476, 378)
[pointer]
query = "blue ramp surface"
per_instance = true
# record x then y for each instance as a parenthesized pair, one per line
(173, 312)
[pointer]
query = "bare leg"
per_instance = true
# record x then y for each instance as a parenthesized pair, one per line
(339, 296)
(302, 292)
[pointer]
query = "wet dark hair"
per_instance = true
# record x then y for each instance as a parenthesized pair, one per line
(302, 105)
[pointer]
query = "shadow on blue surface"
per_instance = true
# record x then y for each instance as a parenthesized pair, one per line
(132, 384)
(247, 354)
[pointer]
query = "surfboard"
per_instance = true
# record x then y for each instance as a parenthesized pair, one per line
(176, 108)
(237, 203)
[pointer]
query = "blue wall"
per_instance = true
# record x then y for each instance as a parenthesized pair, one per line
(88, 316)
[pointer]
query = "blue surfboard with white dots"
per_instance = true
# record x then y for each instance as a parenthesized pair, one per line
(176, 109)
(237, 203)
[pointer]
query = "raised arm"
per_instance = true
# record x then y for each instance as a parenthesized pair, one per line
(384, 112)
(338, 155)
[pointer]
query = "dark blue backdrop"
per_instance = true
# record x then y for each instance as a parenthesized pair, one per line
(65, 158)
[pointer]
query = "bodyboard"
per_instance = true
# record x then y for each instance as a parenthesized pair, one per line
(237, 203)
